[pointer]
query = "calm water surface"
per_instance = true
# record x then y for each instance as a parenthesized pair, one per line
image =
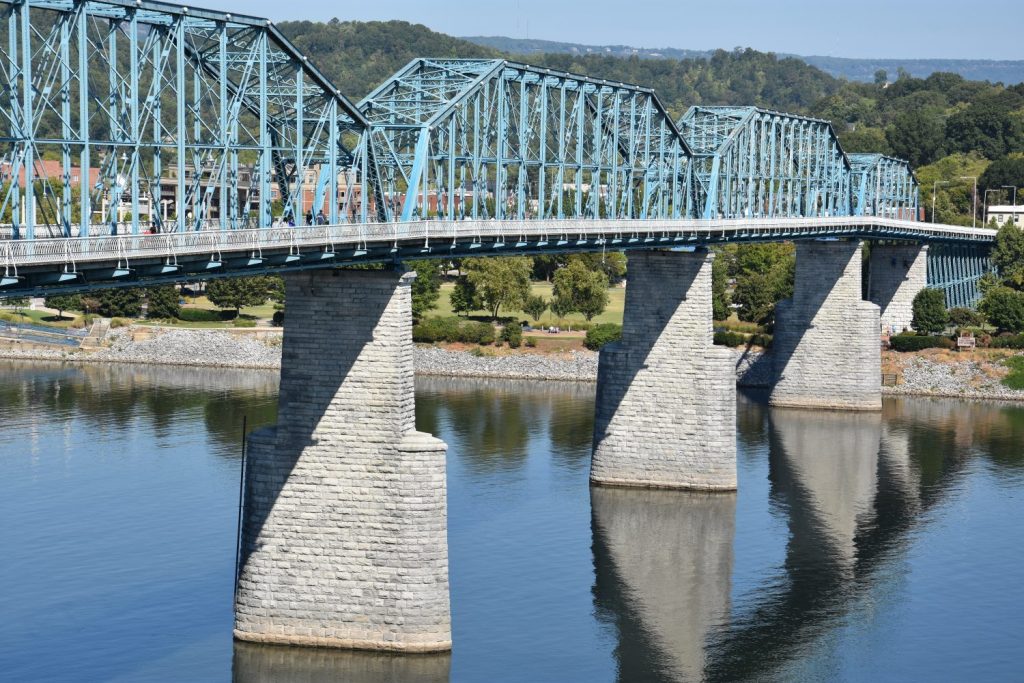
(859, 547)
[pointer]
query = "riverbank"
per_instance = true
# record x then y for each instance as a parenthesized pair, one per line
(928, 373)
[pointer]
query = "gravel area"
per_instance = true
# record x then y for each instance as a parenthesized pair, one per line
(969, 379)
(580, 366)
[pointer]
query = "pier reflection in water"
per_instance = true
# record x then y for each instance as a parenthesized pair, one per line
(858, 548)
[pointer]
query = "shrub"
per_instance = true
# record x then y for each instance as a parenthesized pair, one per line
(278, 318)
(1004, 308)
(930, 314)
(118, 322)
(1015, 379)
(604, 333)
(761, 339)
(1010, 341)
(244, 322)
(435, 329)
(531, 343)
(513, 334)
(730, 339)
(199, 315)
(913, 342)
(478, 333)
(965, 317)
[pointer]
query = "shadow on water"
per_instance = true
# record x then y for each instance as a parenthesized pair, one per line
(254, 663)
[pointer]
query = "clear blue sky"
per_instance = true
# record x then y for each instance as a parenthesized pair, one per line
(853, 28)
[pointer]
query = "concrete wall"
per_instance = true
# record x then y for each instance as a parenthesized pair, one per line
(826, 345)
(896, 273)
(666, 397)
(345, 536)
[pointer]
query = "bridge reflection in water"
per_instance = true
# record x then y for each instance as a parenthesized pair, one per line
(852, 488)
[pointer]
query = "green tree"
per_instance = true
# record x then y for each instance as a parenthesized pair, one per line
(719, 288)
(426, 288)
(121, 303)
(64, 302)
(534, 306)
(17, 301)
(1004, 308)
(917, 137)
(1008, 255)
(930, 314)
(764, 276)
(611, 263)
(463, 297)
(237, 292)
(500, 281)
(162, 302)
(582, 289)
(1003, 174)
(561, 307)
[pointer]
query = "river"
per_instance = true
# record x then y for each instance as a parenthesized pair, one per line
(875, 547)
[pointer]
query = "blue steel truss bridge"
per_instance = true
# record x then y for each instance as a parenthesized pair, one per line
(145, 142)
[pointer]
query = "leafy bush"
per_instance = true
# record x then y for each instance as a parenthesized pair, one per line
(930, 314)
(1004, 308)
(201, 315)
(761, 339)
(1015, 380)
(435, 329)
(965, 317)
(278, 318)
(730, 339)
(531, 343)
(478, 333)
(914, 342)
(513, 334)
(244, 322)
(119, 322)
(1010, 341)
(599, 335)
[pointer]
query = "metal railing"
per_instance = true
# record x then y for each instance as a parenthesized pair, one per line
(14, 253)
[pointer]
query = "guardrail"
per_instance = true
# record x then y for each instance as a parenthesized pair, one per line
(15, 253)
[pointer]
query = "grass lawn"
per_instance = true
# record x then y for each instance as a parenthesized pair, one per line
(1015, 380)
(264, 311)
(612, 314)
(42, 318)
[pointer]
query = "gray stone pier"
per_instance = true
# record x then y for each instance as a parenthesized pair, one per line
(827, 347)
(345, 526)
(666, 396)
(896, 273)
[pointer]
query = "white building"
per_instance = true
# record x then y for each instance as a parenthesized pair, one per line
(1001, 214)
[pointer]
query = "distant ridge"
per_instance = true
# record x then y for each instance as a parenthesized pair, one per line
(1007, 71)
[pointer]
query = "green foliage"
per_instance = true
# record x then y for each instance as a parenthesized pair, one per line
(1015, 379)
(930, 314)
(1010, 341)
(720, 288)
(599, 335)
(478, 333)
(1008, 255)
(64, 302)
(916, 136)
(611, 263)
(119, 322)
(278, 319)
(426, 288)
(534, 306)
(244, 322)
(162, 302)
(1002, 173)
(988, 125)
(123, 303)
(965, 317)
(531, 343)
(238, 292)
(764, 276)
(730, 339)
(202, 315)
(512, 334)
(463, 297)
(579, 288)
(451, 329)
(1004, 308)
(911, 342)
(500, 281)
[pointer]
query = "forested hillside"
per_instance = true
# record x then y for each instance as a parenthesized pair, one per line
(947, 126)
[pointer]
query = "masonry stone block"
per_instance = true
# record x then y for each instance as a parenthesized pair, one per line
(666, 396)
(345, 526)
(896, 273)
(826, 346)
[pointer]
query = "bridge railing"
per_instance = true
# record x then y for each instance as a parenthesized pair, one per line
(217, 242)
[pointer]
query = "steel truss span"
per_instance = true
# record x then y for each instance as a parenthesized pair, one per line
(108, 101)
(482, 139)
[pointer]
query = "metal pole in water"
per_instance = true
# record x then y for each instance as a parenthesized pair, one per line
(241, 505)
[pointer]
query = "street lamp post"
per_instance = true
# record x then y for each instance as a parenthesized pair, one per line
(935, 188)
(974, 210)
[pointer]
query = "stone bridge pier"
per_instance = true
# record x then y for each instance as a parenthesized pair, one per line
(345, 525)
(666, 396)
(827, 347)
(896, 273)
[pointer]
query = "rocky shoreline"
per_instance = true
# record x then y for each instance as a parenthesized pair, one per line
(922, 376)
